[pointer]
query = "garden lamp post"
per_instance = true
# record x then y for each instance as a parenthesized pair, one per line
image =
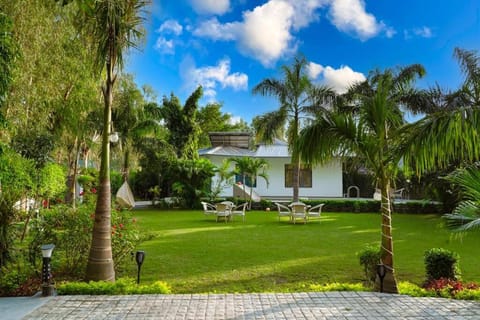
(139, 257)
(47, 285)
(381, 271)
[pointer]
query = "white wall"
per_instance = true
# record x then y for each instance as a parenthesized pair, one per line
(326, 180)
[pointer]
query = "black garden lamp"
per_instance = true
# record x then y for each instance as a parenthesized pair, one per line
(381, 271)
(139, 257)
(47, 285)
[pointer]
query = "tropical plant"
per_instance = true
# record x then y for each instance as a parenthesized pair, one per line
(466, 216)
(8, 55)
(181, 123)
(370, 131)
(250, 168)
(223, 179)
(114, 27)
(298, 97)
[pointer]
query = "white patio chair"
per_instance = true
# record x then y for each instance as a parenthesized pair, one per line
(208, 208)
(239, 211)
(229, 203)
(315, 211)
(223, 211)
(299, 211)
(283, 211)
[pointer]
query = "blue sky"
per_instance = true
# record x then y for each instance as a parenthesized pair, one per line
(229, 46)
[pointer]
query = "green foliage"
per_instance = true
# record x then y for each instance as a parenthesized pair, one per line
(34, 146)
(335, 286)
(8, 55)
(369, 258)
(193, 180)
(52, 181)
(181, 123)
(408, 288)
(71, 232)
(121, 286)
(441, 263)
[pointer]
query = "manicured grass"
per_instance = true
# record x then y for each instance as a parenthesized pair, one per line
(195, 254)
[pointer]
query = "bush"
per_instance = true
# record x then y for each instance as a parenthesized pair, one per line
(71, 232)
(369, 258)
(335, 286)
(441, 263)
(121, 286)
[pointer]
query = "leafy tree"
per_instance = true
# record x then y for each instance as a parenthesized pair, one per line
(8, 55)
(181, 123)
(133, 118)
(211, 119)
(115, 26)
(372, 133)
(298, 97)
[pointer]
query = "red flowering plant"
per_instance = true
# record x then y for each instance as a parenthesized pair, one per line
(449, 288)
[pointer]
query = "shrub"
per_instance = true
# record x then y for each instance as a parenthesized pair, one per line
(449, 288)
(441, 263)
(121, 286)
(369, 258)
(335, 286)
(71, 232)
(413, 290)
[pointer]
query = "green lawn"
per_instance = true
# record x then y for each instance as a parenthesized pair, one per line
(195, 254)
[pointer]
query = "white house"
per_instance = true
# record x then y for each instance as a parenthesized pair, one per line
(316, 182)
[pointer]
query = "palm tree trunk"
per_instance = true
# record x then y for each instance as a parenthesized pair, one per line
(386, 250)
(296, 180)
(100, 261)
(126, 164)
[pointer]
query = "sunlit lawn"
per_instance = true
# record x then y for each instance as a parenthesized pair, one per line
(193, 253)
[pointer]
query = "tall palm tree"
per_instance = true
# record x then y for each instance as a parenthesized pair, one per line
(369, 131)
(298, 97)
(114, 26)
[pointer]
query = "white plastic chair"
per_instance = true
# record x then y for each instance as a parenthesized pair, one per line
(315, 211)
(208, 208)
(283, 211)
(299, 211)
(239, 211)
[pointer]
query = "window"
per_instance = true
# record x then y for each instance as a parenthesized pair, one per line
(305, 176)
(248, 183)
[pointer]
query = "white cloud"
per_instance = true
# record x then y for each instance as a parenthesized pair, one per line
(210, 6)
(314, 70)
(164, 46)
(211, 77)
(338, 79)
(350, 16)
(266, 32)
(424, 32)
(213, 29)
(171, 26)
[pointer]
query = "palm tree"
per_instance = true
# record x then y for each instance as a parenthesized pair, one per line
(369, 131)
(297, 97)
(114, 26)
(251, 168)
(466, 216)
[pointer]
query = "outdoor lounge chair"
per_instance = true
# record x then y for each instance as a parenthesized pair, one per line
(239, 211)
(315, 211)
(299, 211)
(208, 208)
(283, 211)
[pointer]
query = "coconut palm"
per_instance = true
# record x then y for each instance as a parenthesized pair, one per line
(114, 26)
(371, 132)
(298, 97)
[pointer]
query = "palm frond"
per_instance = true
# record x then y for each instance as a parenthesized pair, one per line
(269, 126)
